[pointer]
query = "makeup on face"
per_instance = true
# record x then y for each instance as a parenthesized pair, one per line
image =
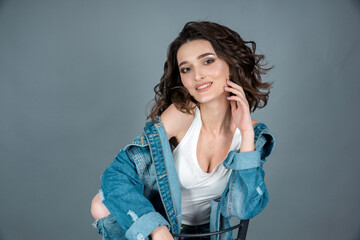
(202, 72)
(199, 57)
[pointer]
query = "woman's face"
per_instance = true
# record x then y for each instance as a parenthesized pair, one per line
(202, 72)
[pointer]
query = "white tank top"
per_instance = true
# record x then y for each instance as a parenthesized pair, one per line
(198, 188)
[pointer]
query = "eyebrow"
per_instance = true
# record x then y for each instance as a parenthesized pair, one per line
(200, 56)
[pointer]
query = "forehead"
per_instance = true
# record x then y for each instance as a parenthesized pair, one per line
(191, 50)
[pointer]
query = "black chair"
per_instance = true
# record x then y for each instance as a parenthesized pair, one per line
(242, 230)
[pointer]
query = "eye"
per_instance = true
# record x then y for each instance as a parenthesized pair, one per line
(208, 61)
(184, 70)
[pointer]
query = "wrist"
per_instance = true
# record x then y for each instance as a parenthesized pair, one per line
(247, 141)
(248, 132)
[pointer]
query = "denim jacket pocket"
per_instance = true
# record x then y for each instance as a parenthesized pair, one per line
(140, 158)
(138, 150)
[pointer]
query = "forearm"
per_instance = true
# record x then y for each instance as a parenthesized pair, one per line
(247, 141)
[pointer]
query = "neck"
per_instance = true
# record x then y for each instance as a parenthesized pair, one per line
(216, 117)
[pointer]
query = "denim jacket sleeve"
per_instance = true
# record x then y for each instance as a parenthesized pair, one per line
(245, 195)
(122, 193)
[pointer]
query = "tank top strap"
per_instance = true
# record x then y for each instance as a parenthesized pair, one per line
(192, 134)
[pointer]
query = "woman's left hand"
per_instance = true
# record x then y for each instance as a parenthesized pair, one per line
(239, 107)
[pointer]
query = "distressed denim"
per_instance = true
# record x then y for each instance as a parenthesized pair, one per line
(141, 188)
(109, 228)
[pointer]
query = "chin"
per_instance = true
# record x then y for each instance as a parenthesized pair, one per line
(203, 99)
(206, 99)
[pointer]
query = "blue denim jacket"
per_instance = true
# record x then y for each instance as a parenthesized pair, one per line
(141, 188)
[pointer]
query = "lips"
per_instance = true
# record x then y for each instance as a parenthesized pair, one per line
(203, 85)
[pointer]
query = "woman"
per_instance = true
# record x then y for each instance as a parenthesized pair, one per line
(212, 168)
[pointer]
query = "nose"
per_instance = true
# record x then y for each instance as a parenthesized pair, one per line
(199, 75)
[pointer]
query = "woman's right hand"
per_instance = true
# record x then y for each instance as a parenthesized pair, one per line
(161, 233)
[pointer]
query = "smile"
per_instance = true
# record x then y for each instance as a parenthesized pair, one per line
(203, 86)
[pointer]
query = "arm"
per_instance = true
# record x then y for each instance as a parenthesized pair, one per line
(247, 139)
(246, 193)
(122, 194)
(247, 182)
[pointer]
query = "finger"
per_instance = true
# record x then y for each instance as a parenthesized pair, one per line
(241, 96)
(239, 101)
(234, 85)
(233, 105)
(235, 98)
(242, 90)
(235, 91)
(237, 87)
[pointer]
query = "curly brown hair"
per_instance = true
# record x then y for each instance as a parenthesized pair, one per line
(245, 68)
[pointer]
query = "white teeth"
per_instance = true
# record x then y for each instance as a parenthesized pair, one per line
(204, 86)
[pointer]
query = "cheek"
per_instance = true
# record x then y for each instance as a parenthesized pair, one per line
(221, 70)
(186, 81)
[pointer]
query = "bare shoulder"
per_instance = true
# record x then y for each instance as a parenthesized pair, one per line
(175, 122)
(254, 122)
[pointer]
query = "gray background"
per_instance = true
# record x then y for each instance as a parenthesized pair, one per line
(76, 77)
